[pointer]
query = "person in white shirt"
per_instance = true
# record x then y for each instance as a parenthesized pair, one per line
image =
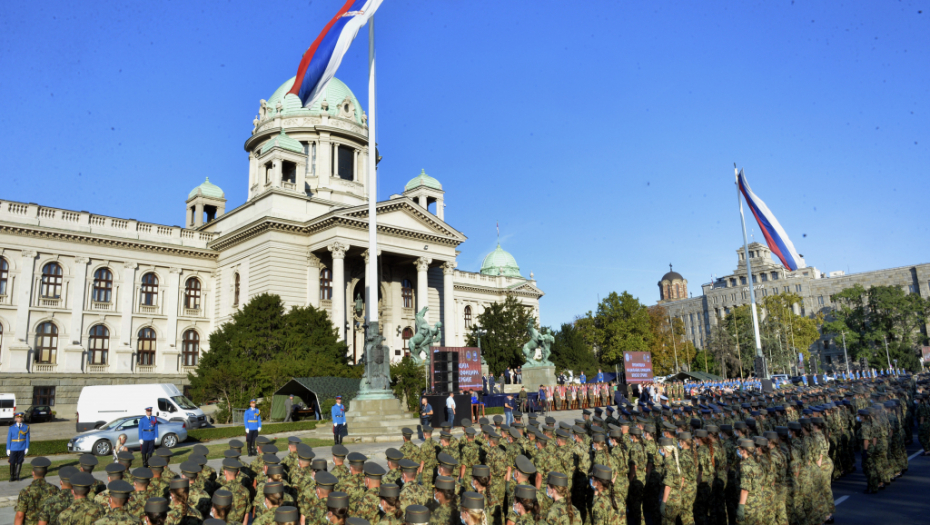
(450, 408)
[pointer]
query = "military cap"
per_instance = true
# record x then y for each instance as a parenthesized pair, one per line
(668, 426)
(318, 464)
(700, 433)
(541, 437)
(726, 428)
(761, 441)
(337, 500)
(649, 427)
(466, 422)
(498, 419)
(711, 429)
(445, 483)
(599, 437)
(557, 479)
(232, 453)
(263, 440)
(231, 464)
(393, 454)
(408, 465)
(180, 483)
(235, 443)
(598, 411)
(513, 432)
(374, 470)
(517, 414)
(684, 436)
(86, 460)
(65, 473)
(416, 514)
(213, 521)
(157, 505)
(804, 421)
(115, 487)
(598, 420)
(445, 434)
(158, 463)
(586, 412)
(446, 459)
(340, 451)
(273, 487)
(781, 431)
(817, 420)
(294, 439)
(406, 431)
(746, 443)
(288, 514)
(487, 429)
(696, 423)
(864, 412)
(112, 468)
(562, 433)
(275, 469)
(356, 457)
(389, 490)
(164, 452)
(305, 452)
(445, 425)
(40, 463)
(480, 471)
(794, 425)
(578, 430)
(550, 420)
(427, 429)
(470, 431)
(190, 467)
(198, 459)
(200, 450)
(83, 479)
(770, 435)
(525, 492)
(142, 474)
(666, 442)
(326, 479)
(615, 432)
(635, 431)
(740, 425)
(355, 521)
(125, 456)
(269, 449)
(602, 472)
(524, 465)
(222, 498)
(518, 425)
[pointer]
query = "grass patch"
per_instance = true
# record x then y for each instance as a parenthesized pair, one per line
(181, 453)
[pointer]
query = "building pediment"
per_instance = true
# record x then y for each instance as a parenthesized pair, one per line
(404, 214)
(527, 288)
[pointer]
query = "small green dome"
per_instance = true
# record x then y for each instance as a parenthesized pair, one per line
(285, 142)
(207, 189)
(423, 180)
(500, 262)
(336, 92)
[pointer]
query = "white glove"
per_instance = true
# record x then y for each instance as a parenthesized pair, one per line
(7, 452)
(26, 452)
(140, 441)
(259, 429)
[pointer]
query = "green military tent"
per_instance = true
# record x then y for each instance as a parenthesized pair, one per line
(319, 391)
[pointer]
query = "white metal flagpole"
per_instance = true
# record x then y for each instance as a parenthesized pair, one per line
(371, 277)
(763, 373)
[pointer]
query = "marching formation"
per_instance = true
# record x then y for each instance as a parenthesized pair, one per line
(741, 458)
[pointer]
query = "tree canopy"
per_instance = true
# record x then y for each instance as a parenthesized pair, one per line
(570, 352)
(620, 324)
(506, 326)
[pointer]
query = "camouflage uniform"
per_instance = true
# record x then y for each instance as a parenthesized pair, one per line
(393, 476)
(389, 520)
(429, 449)
(192, 516)
(289, 462)
(822, 495)
(367, 506)
(558, 514)
(241, 503)
(353, 485)
(81, 512)
(410, 451)
(54, 505)
(470, 456)
(267, 518)
(258, 502)
(497, 462)
(33, 498)
(441, 514)
(118, 516)
(779, 464)
(413, 493)
(652, 492)
(634, 514)
(751, 479)
(717, 508)
(340, 471)
(136, 503)
(308, 503)
(704, 488)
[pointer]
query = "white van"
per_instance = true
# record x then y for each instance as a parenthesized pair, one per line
(101, 404)
(7, 407)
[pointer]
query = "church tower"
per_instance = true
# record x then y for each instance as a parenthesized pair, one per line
(673, 286)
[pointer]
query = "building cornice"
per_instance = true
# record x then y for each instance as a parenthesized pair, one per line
(533, 293)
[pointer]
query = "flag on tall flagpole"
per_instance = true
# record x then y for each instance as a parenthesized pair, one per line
(775, 235)
(320, 62)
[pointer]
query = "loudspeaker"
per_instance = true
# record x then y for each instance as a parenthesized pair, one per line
(767, 386)
(445, 372)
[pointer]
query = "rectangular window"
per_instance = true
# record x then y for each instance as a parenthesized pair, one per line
(764, 292)
(765, 277)
(742, 280)
(774, 276)
(820, 300)
(797, 288)
(346, 163)
(786, 289)
(732, 282)
(43, 395)
(912, 289)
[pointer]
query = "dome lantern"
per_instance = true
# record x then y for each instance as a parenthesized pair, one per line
(205, 203)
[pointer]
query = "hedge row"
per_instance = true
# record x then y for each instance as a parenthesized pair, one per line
(60, 446)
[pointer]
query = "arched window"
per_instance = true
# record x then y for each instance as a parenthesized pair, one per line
(51, 281)
(326, 284)
(103, 285)
(666, 293)
(192, 294)
(4, 275)
(190, 349)
(145, 348)
(99, 345)
(406, 335)
(47, 343)
(236, 291)
(468, 317)
(149, 292)
(677, 292)
(406, 292)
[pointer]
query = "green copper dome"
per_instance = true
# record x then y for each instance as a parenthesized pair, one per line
(284, 142)
(336, 92)
(207, 189)
(423, 180)
(500, 262)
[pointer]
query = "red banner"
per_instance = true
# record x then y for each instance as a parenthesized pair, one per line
(637, 367)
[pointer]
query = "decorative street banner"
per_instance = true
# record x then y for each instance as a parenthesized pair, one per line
(925, 353)
(469, 365)
(637, 367)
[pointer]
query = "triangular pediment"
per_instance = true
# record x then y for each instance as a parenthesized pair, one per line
(404, 214)
(527, 287)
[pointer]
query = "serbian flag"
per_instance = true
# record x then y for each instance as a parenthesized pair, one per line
(319, 64)
(775, 236)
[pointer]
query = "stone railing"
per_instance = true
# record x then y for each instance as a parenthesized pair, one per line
(4, 299)
(145, 369)
(50, 302)
(97, 369)
(147, 309)
(101, 307)
(192, 312)
(44, 368)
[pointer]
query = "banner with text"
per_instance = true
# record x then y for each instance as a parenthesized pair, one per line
(469, 366)
(637, 367)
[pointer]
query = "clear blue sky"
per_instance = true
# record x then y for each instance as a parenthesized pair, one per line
(601, 136)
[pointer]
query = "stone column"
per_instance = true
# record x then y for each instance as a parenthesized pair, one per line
(441, 208)
(314, 265)
(172, 299)
(79, 289)
(422, 265)
(339, 288)
(129, 292)
(324, 153)
(421, 200)
(276, 176)
(26, 280)
(448, 306)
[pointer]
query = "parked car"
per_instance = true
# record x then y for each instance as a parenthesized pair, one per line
(100, 403)
(100, 442)
(7, 407)
(37, 413)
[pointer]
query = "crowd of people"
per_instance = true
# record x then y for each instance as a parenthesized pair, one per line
(745, 457)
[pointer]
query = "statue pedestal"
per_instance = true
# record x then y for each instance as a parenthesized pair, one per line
(533, 376)
(372, 420)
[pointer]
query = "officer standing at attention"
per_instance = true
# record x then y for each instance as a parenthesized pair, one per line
(17, 446)
(338, 414)
(253, 425)
(148, 433)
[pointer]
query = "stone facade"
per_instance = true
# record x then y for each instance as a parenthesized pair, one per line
(91, 299)
(816, 288)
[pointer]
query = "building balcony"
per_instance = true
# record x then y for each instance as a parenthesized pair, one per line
(148, 309)
(4, 299)
(102, 307)
(98, 369)
(192, 312)
(188, 369)
(289, 186)
(145, 369)
(44, 368)
(50, 302)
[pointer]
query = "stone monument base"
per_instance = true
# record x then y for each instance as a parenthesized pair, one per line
(371, 420)
(538, 375)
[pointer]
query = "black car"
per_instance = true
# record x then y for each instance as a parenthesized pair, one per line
(37, 413)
